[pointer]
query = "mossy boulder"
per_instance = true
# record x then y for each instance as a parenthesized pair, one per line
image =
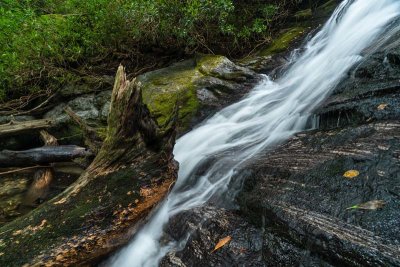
(194, 86)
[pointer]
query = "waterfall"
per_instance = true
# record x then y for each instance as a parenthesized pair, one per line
(270, 114)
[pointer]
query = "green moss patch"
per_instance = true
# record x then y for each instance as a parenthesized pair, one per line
(177, 85)
(282, 42)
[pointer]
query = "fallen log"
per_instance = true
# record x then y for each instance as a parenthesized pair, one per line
(14, 127)
(42, 155)
(130, 175)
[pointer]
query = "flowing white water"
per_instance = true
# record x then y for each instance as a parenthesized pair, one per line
(269, 115)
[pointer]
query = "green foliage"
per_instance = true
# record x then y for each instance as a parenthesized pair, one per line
(40, 40)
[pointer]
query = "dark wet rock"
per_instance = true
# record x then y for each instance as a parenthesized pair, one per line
(306, 197)
(370, 92)
(249, 246)
(208, 225)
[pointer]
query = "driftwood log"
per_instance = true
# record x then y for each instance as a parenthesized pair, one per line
(41, 155)
(14, 127)
(131, 174)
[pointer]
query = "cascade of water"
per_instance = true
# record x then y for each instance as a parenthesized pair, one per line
(269, 115)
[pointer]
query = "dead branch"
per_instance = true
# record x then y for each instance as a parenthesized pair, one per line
(14, 128)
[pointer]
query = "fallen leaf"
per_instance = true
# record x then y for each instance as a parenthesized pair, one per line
(222, 242)
(382, 106)
(351, 174)
(370, 205)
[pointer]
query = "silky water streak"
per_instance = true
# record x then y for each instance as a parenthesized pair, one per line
(271, 113)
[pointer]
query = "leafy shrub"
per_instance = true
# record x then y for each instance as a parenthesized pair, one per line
(41, 40)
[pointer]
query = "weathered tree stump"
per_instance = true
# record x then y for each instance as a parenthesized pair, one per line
(100, 212)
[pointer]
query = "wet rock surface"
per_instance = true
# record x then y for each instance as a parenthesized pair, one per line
(250, 245)
(306, 197)
(207, 226)
(370, 92)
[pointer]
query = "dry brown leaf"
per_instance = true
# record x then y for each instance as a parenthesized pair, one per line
(351, 174)
(370, 205)
(222, 242)
(382, 106)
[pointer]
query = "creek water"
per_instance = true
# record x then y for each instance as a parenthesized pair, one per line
(270, 114)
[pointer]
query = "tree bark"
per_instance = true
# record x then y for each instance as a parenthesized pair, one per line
(101, 211)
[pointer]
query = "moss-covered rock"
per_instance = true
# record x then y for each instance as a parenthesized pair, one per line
(283, 42)
(186, 83)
